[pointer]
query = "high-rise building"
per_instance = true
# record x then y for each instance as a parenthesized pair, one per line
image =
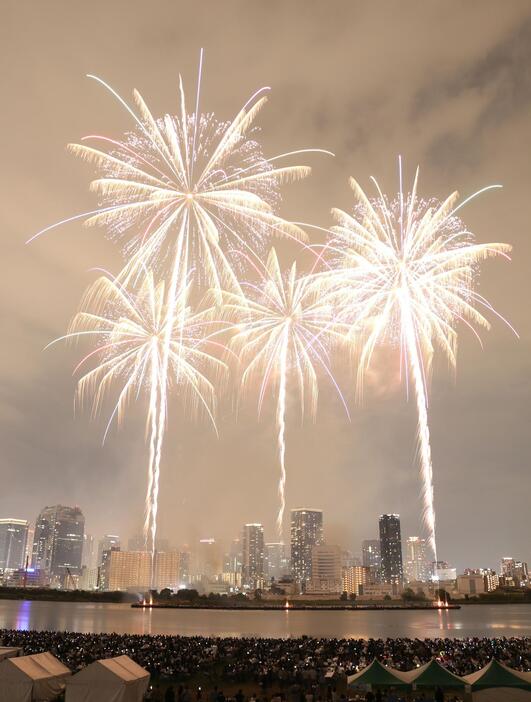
(253, 556)
(326, 569)
(306, 532)
(28, 555)
(232, 560)
(13, 537)
(167, 570)
(107, 543)
(514, 572)
(89, 556)
(276, 564)
(126, 570)
(58, 541)
(417, 566)
(354, 577)
(371, 558)
(391, 549)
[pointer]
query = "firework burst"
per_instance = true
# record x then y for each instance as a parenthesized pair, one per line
(282, 331)
(144, 350)
(404, 270)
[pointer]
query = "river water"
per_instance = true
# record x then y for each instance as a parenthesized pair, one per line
(471, 620)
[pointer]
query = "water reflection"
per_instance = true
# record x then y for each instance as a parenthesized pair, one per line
(472, 620)
(23, 615)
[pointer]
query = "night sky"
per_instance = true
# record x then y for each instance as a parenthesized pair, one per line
(447, 85)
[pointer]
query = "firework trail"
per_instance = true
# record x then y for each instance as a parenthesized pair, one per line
(282, 330)
(404, 269)
(182, 192)
(135, 332)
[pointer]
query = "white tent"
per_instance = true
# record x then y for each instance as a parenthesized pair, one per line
(36, 678)
(109, 680)
(10, 652)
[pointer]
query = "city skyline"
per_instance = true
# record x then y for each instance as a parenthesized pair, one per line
(352, 471)
(395, 556)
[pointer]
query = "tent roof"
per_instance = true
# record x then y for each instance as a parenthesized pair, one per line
(125, 668)
(495, 674)
(10, 651)
(39, 666)
(122, 669)
(431, 674)
(377, 674)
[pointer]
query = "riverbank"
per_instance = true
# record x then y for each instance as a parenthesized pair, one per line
(309, 607)
(50, 595)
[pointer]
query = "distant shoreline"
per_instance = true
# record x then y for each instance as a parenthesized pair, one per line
(295, 607)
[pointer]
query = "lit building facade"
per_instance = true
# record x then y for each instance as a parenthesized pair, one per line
(13, 538)
(306, 532)
(126, 570)
(417, 565)
(391, 549)
(58, 542)
(108, 542)
(253, 556)
(276, 563)
(371, 558)
(167, 570)
(326, 569)
(354, 577)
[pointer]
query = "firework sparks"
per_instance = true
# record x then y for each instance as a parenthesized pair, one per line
(404, 270)
(143, 348)
(184, 191)
(282, 331)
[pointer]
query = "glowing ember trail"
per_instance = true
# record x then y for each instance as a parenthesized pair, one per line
(403, 270)
(143, 348)
(283, 330)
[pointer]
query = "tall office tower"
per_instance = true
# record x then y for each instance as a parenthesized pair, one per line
(306, 532)
(232, 560)
(253, 556)
(124, 570)
(28, 555)
(58, 541)
(89, 556)
(417, 566)
(13, 537)
(108, 542)
(371, 556)
(391, 549)
(167, 570)
(326, 569)
(276, 564)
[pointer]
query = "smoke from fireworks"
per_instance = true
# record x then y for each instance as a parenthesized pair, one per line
(404, 270)
(136, 335)
(282, 331)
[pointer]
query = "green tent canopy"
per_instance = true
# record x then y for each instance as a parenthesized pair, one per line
(495, 674)
(431, 675)
(377, 675)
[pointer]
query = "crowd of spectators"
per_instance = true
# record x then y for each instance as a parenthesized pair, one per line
(270, 662)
